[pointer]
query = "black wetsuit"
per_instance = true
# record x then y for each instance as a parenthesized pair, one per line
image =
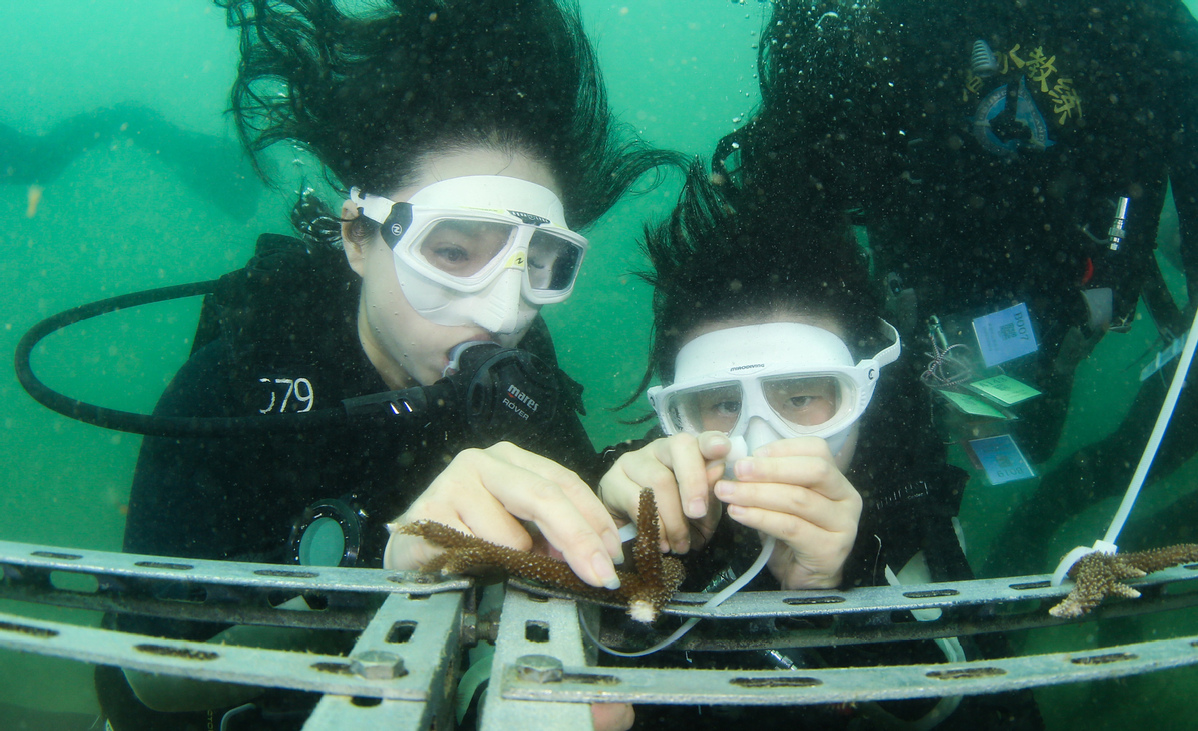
(909, 499)
(878, 108)
(290, 315)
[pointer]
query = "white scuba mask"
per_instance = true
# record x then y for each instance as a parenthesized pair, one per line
(762, 383)
(491, 263)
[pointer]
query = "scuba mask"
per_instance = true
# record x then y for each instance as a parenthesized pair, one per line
(492, 263)
(762, 383)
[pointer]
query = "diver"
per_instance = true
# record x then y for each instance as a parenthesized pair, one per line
(215, 168)
(786, 415)
(1008, 161)
(465, 185)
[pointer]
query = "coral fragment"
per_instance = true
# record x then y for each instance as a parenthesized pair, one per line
(1098, 575)
(644, 588)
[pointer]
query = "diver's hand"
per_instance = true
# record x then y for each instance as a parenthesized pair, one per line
(488, 492)
(793, 490)
(681, 470)
(612, 716)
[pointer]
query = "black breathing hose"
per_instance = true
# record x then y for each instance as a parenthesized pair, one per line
(147, 424)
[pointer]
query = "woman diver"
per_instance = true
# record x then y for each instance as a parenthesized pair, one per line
(769, 345)
(472, 139)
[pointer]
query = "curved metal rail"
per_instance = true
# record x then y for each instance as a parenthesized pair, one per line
(413, 628)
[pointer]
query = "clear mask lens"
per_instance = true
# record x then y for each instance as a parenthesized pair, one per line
(463, 248)
(471, 250)
(803, 401)
(710, 408)
(552, 262)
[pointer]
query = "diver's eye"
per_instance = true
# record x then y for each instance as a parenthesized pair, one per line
(726, 408)
(802, 403)
(463, 248)
(452, 254)
(714, 409)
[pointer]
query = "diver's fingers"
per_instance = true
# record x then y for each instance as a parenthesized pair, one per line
(633, 472)
(790, 529)
(807, 556)
(439, 504)
(794, 500)
(580, 494)
(682, 454)
(490, 493)
(459, 499)
(407, 553)
(818, 473)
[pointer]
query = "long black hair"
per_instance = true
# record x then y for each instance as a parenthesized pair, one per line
(822, 90)
(372, 95)
(712, 262)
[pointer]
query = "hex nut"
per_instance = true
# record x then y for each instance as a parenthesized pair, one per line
(377, 665)
(539, 669)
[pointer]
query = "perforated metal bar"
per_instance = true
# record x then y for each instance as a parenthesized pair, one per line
(544, 677)
(537, 636)
(435, 621)
(27, 566)
(339, 713)
(875, 599)
(427, 653)
(258, 576)
(221, 591)
(583, 684)
(861, 628)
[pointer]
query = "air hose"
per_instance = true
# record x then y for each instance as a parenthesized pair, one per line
(147, 424)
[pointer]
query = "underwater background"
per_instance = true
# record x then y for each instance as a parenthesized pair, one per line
(115, 215)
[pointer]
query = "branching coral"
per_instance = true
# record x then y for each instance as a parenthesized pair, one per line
(644, 588)
(1099, 575)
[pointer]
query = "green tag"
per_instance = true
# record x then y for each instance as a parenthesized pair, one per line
(972, 404)
(1004, 389)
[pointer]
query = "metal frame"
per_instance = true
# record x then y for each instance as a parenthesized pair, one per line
(401, 673)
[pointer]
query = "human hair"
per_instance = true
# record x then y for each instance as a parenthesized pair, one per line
(374, 95)
(712, 262)
(809, 139)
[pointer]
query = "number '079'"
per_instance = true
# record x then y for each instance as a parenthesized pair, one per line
(298, 388)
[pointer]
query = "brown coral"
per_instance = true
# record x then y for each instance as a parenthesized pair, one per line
(1098, 575)
(644, 589)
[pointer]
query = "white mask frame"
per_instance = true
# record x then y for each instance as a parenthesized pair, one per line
(751, 356)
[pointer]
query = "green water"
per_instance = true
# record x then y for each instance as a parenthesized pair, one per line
(119, 219)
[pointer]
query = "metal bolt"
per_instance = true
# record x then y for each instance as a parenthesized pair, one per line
(539, 669)
(377, 665)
